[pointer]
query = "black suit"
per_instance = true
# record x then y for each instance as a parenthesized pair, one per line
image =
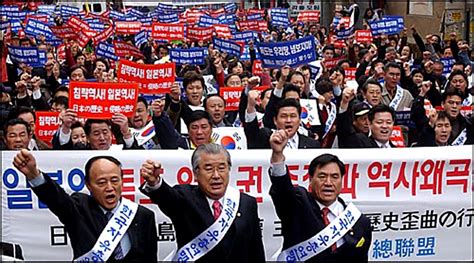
(84, 221)
(260, 138)
(301, 219)
(189, 210)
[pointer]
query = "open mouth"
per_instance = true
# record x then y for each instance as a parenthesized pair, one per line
(328, 192)
(110, 199)
(216, 186)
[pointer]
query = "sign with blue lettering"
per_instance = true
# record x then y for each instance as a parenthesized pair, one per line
(256, 16)
(345, 33)
(26, 55)
(146, 20)
(279, 17)
(36, 28)
(67, 11)
(387, 27)
(15, 25)
(228, 46)
(289, 53)
(448, 65)
(168, 18)
(18, 15)
(245, 36)
(96, 25)
(135, 13)
(5, 9)
(46, 9)
(106, 51)
(54, 41)
(141, 37)
(116, 15)
(191, 56)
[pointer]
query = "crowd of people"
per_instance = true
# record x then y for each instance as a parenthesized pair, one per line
(392, 76)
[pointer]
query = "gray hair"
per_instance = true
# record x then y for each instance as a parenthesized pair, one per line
(210, 148)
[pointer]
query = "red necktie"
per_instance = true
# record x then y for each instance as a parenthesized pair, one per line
(216, 206)
(326, 222)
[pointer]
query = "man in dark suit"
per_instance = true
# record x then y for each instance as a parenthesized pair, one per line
(288, 112)
(193, 209)
(304, 214)
(85, 216)
(381, 120)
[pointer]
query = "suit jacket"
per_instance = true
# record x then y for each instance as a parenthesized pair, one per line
(301, 219)
(84, 221)
(259, 138)
(188, 209)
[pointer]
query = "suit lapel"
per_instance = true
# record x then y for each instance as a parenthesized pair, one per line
(203, 206)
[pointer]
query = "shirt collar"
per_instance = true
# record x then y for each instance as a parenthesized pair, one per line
(383, 145)
(336, 207)
(113, 210)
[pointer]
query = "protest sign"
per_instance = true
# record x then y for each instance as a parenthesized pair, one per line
(192, 56)
(106, 51)
(291, 53)
(127, 28)
(102, 100)
(350, 73)
(142, 37)
(168, 18)
(308, 16)
(77, 24)
(168, 32)
(363, 36)
(199, 33)
(448, 65)
(207, 21)
(103, 35)
(257, 68)
(36, 28)
(222, 31)
(228, 46)
(254, 25)
(231, 96)
(153, 79)
(63, 32)
(27, 55)
(123, 49)
(384, 27)
(46, 124)
(279, 17)
(245, 36)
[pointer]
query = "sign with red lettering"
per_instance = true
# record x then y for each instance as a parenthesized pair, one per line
(102, 100)
(350, 73)
(363, 36)
(257, 68)
(222, 31)
(193, 15)
(83, 38)
(63, 32)
(199, 33)
(308, 16)
(123, 49)
(47, 123)
(127, 28)
(41, 18)
(153, 79)
(166, 31)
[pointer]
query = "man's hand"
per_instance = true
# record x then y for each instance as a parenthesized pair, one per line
(432, 116)
(25, 162)
(122, 122)
(252, 100)
(278, 141)
(425, 87)
(347, 95)
(68, 117)
(175, 92)
(150, 172)
(253, 82)
(157, 107)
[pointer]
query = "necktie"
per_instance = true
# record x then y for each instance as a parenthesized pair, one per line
(118, 253)
(325, 212)
(216, 206)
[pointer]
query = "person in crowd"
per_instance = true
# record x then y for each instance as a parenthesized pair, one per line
(195, 208)
(305, 214)
(17, 134)
(86, 217)
(29, 115)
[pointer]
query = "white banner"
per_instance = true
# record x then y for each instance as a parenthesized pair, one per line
(419, 200)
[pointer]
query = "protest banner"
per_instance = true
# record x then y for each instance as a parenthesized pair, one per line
(36, 28)
(77, 24)
(397, 137)
(127, 28)
(291, 53)
(207, 21)
(102, 100)
(308, 16)
(38, 17)
(63, 32)
(46, 124)
(232, 138)
(27, 55)
(124, 49)
(199, 33)
(228, 46)
(168, 32)
(222, 31)
(103, 35)
(384, 27)
(153, 79)
(106, 51)
(330, 63)
(402, 181)
(363, 36)
(254, 25)
(168, 18)
(350, 73)
(192, 16)
(279, 17)
(83, 38)
(231, 96)
(448, 65)
(245, 36)
(142, 37)
(400, 20)
(192, 56)
(257, 68)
